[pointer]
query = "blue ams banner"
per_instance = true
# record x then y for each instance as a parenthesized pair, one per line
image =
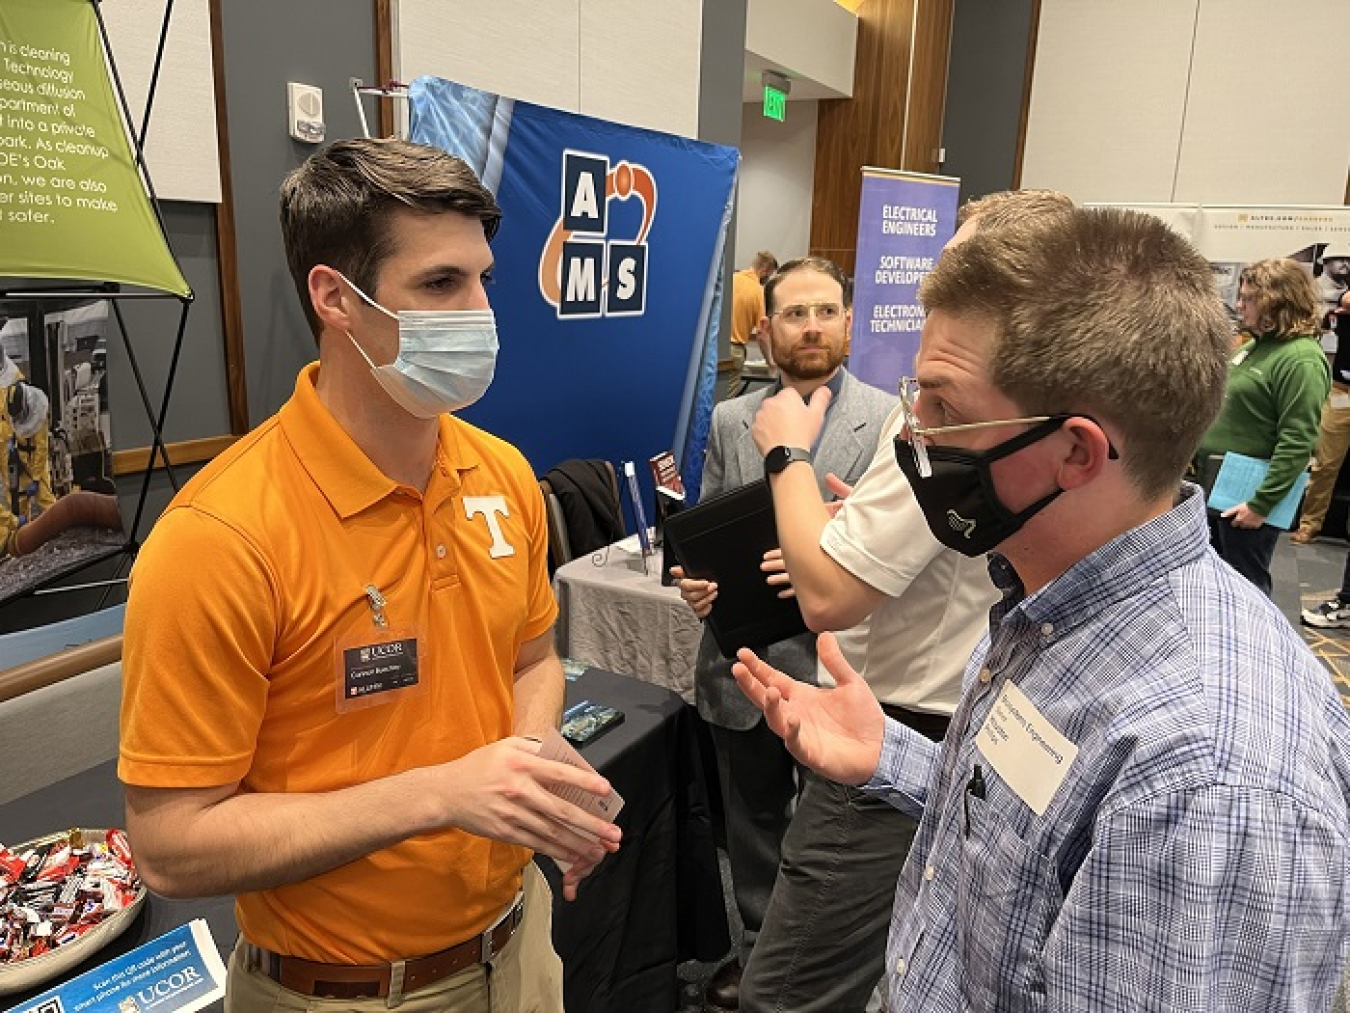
(606, 288)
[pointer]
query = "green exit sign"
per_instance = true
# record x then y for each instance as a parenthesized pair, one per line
(775, 103)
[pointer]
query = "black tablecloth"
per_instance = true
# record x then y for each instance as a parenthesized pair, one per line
(659, 899)
(655, 903)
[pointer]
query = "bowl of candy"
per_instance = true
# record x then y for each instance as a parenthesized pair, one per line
(62, 898)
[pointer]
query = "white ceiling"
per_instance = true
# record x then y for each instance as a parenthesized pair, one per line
(803, 88)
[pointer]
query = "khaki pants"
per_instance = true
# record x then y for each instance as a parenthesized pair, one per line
(737, 383)
(526, 977)
(1333, 441)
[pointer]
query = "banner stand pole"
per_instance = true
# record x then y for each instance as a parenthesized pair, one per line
(138, 140)
(152, 88)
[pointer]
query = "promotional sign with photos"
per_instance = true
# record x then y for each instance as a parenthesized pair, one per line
(1318, 238)
(1232, 237)
(59, 510)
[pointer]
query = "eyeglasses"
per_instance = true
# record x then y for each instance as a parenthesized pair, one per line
(798, 314)
(918, 433)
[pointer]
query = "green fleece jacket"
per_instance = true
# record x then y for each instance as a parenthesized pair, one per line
(1271, 410)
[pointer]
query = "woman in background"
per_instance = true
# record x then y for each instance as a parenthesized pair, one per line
(1277, 382)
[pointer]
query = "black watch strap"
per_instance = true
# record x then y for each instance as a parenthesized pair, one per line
(780, 457)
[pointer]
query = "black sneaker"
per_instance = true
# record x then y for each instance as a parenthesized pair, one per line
(1330, 615)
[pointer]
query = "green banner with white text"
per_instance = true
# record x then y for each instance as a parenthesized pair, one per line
(72, 203)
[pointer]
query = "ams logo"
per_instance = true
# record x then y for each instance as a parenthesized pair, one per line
(582, 272)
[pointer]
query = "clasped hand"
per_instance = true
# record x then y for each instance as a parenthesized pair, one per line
(699, 595)
(1244, 517)
(506, 792)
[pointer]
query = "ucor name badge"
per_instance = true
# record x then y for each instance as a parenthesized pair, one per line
(1028, 752)
(379, 667)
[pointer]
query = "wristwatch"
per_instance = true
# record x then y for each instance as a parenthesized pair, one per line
(780, 457)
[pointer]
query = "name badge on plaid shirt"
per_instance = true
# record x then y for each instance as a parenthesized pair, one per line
(1028, 752)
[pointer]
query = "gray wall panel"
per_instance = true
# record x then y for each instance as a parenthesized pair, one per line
(984, 93)
(199, 408)
(719, 111)
(318, 42)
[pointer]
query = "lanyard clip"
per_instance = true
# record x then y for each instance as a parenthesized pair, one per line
(377, 604)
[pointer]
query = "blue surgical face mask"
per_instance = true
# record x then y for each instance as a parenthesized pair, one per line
(446, 358)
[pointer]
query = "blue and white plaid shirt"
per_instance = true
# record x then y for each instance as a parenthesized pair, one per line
(1195, 855)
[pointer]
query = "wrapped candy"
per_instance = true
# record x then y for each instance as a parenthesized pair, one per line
(53, 893)
(11, 867)
(60, 863)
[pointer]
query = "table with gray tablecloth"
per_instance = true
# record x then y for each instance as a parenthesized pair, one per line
(615, 616)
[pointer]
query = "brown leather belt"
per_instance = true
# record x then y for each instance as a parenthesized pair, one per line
(930, 726)
(374, 981)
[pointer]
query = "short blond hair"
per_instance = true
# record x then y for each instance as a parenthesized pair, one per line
(1287, 302)
(764, 262)
(1105, 312)
(1007, 207)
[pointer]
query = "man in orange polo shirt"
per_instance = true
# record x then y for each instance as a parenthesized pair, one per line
(338, 656)
(747, 310)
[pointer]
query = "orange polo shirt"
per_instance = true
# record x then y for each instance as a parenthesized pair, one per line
(241, 600)
(747, 305)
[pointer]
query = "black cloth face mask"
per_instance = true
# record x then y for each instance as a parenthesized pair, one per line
(959, 501)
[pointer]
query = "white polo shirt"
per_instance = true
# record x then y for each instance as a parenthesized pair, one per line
(914, 649)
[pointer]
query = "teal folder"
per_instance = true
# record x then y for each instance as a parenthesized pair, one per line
(1237, 481)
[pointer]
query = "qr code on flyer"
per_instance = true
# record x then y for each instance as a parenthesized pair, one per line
(52, 1005)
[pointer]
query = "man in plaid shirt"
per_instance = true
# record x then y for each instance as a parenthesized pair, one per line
(1141, 803)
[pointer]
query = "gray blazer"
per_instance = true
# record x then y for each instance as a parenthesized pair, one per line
(847, 446)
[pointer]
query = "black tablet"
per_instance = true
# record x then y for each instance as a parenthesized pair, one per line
(724, 539)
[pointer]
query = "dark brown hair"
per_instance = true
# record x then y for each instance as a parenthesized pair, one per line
(819, 264)
(336, 207)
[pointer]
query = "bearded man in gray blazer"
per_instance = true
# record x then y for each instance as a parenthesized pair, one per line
(807, 322)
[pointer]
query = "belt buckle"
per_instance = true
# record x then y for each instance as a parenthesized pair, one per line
(513, 915)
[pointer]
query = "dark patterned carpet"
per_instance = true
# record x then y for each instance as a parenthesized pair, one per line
(1306, 576)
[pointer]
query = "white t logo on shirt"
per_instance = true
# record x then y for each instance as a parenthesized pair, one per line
(491, 507)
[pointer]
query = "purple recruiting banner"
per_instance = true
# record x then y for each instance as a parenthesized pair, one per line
(903, 223)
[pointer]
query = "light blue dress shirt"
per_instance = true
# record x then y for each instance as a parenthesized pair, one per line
(1194, 856)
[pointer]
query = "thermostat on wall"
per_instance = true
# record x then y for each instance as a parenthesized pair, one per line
(304, 112)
